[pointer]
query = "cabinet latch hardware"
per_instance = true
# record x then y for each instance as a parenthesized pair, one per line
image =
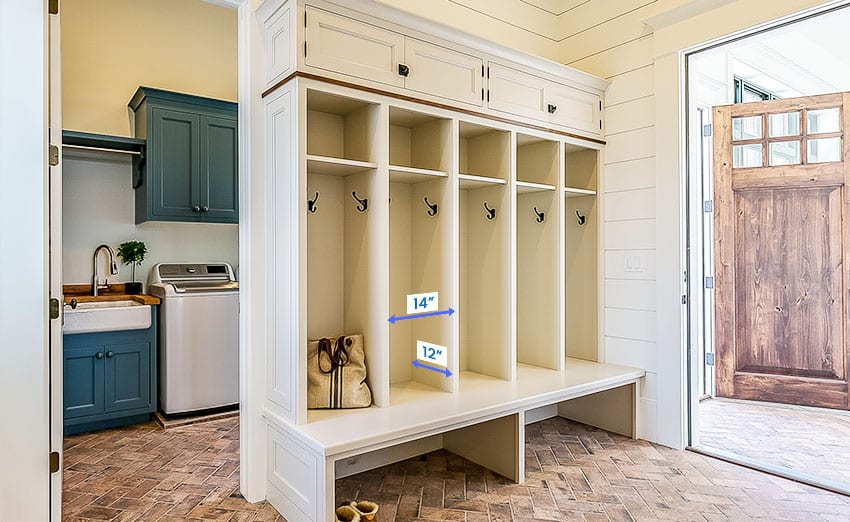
(52, 155)
(54, 461)
(54, 308)
(551, 108)
(403, 70)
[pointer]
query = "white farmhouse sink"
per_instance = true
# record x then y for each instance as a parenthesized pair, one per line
(106, 316)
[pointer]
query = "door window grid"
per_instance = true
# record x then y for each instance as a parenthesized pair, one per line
(787, 138)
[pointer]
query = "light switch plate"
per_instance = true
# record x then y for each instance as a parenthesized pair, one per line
(634, 263)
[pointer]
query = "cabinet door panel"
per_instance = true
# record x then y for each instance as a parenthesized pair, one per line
(175, 163)
(83, 381)
(344, 45)
(443, 72)
(128, 380)
(219, 168)
(574, 108)
(517, 92)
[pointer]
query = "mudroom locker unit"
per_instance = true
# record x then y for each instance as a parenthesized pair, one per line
(408, 158)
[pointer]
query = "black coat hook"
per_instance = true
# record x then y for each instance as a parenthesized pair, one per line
(432, 207)
(540, 215)
(580, 218)
(491, 212)
(362, 204)
(311, 204)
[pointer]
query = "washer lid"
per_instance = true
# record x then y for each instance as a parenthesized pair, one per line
(195, 277)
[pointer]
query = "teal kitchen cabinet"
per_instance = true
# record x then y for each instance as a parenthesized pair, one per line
(109, 378)
(189, 171)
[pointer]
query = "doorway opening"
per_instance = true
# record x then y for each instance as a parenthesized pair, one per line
(108, 51)
(768, 327)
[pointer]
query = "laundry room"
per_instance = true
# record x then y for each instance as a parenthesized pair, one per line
(149, 169)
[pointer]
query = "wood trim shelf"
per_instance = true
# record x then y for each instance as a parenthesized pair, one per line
(526, 187)
(336, 166)
(572, 192)
(402, 174)
(468, 181)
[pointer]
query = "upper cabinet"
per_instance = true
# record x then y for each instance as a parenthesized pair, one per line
(372, 46)
(341, 44)
(190, 170)
(516, 92)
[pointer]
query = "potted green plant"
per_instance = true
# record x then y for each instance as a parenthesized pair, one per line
(133, 253)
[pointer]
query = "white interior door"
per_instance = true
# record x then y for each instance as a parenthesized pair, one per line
(55, 263)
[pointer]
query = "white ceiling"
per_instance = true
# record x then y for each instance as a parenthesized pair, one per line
(803, 58)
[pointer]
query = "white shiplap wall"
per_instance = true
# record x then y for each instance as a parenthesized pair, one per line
(609, 39)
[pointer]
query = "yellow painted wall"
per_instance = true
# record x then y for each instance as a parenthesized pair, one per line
(110, 47)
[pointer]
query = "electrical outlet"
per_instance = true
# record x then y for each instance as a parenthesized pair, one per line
(634, 263)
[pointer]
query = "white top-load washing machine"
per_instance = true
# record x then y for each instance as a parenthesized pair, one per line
(199, 335)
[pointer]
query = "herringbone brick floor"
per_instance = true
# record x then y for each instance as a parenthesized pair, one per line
(814, 441)
(574, 472)
(144, 473)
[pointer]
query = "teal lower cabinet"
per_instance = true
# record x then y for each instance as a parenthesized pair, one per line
(109, 378)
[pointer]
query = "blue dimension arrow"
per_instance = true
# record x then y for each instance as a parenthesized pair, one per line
(393, 318)
(446, 371)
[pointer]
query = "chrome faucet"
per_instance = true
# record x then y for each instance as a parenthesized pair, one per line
(113, 268)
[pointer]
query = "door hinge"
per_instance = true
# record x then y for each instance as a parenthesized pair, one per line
(488, 95)
(54, 308)
(52, 155)
(54, 461)
(708, 206)
(600, 105)
(482, 70)
(305, 49)
(706, 130)
(709, 359)
(600, 124)
(305, 18)
(488, 71)
(709, 282)
(482, 94)
(684, 299)
(53, 7)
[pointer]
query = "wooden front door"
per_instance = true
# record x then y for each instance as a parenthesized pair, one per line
(781, 250)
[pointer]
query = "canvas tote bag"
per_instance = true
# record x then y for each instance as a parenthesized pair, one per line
(336, 373)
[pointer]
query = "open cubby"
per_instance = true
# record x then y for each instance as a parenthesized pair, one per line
(420, 146)
(342, 287)
(340, 134)
(420, 256)
(485, 306)
(484, 152)
(581, 168)
(538, 273)
(537, 160)
(581, 253)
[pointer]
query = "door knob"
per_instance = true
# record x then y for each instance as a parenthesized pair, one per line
(110, 354)
(196, 208)
(205, 209)
(98, 355)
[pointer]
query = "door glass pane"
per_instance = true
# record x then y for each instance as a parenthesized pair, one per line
(823, 120)
(824, 149)
(747, 128)
(785, 124)
(746, 155)
(784, 153)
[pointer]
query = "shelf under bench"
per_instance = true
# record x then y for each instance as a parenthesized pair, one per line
(484, 422)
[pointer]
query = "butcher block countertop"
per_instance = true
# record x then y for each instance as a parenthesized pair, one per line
(115, 292)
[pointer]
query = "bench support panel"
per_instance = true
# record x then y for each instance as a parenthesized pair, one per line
(611, 410)
(498, 445)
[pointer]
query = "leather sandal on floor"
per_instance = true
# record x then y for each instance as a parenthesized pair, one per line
(365, 509)
(347, 513)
